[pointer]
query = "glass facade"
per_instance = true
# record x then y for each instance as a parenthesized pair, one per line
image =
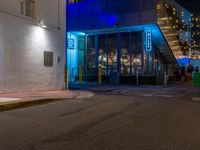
(102, 56)
(122, 53)
(137, 47)
(90, 56)
(125, 54)
(112, 53)
(74, 1)
(115, 52)
(125, 39)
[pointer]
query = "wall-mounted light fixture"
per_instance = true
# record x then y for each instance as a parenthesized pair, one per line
(42, 23)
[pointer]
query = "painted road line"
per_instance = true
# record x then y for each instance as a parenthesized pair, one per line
(85, 94)
(166, 96)
(146, 95)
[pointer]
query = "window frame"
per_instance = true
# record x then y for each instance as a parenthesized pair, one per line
(27, 8)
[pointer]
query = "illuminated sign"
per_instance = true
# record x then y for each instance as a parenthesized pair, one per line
(148, 41)
(70, 43)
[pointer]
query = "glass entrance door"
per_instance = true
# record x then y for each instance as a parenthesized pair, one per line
(112, 53)
(125, 54)
(102, 50)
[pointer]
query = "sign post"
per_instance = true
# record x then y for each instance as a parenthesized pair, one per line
(66, 79)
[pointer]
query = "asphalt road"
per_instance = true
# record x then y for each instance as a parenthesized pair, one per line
(151, 119)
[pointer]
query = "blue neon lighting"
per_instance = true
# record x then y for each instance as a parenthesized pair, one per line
(148, 41)
(184, 61)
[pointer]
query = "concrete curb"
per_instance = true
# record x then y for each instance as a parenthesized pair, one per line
(29, 103)
(24, 104)
(171, 85)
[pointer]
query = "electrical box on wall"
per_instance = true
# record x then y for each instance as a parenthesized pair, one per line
(48, 59)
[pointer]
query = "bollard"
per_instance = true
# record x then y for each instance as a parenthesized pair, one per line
(66, 79)
(80, 74)
(137, 78)
(99, 74)
(165, 78)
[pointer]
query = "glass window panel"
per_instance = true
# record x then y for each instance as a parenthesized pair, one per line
(125, 54)
(74, 1)
(102, 53)
(91, 53)
(112, 52)
(137, 47)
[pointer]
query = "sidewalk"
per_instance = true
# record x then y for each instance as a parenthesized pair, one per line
(106, 87)
(22, 99)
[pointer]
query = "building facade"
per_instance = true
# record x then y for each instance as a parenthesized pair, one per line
(126, 38)
(193, 7)
(32, 45)
(196, 35)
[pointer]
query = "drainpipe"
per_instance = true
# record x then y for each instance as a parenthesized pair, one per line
(58, 15)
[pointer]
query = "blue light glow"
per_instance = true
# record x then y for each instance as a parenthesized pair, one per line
(92, 17)
(148, 41)
(184, 61)
(72, 53)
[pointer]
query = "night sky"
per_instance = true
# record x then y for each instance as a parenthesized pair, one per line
(191, 5)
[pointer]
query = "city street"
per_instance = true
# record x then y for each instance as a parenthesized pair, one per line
(124, 119)
(99, 75)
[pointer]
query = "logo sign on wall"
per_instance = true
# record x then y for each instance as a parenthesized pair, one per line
(70, 43)
(81, 43)
(148, 41)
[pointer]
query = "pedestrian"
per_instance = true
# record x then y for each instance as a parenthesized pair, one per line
(196, 69)
(176, 73)
(189, 71)
(182, 69)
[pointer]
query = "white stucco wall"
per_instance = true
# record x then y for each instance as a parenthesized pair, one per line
(22, 46)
